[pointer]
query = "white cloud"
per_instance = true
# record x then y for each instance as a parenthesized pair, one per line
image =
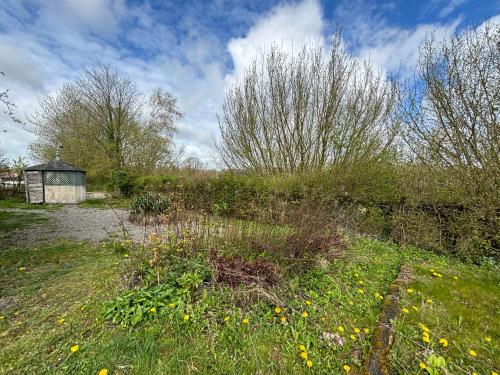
(289, 26)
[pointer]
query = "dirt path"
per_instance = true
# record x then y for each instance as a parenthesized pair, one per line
(72, 222)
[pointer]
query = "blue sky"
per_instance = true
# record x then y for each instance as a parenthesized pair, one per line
(196, 49)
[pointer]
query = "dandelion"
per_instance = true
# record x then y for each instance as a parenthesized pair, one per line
(60, 321)
(186, 317)
(415, 308)
(360, 282)
(22, 269)
(303, 355)
(103, 371)
(340, 329)
(302, 348)
(352, 337)
(245, 321)
(74, 348)
(378, 296)
(494, 373)
(429, 301)
(455, 277)
(347, 368)
(357, 330)
(351, 303)
(226, 318)
(171, 305)
(125, 255)
(409, 291)
(152, 310)
(366, 330)
(425, 334)
(488, 338)
(422, 365)
(423, 327)
(2, 317)
(308, 303)
(432, 270)
(405, 310)
(283, 319)
(305, 314)
(443, 342)
(426, 339)
(309, 364)
(277, 310)
(360, 291)
(472, 353)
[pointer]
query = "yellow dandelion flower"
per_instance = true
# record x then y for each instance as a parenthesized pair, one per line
(425, 334)
(125, 255)
(308, 303)
(472, 353)
(422, 365)
(426, 339)
(474, 373)
(347, 368)
(488, 338)
(443, 342)
(494, 373)
(152, 310)
(186, 317)
(361, 282)
(283, 319)
(357, 330)
(245, 321)
(351, 303)
(103, 371)
(432, 270)
(405, 310)
(409, 290)
(340, 329)
(305, 314)
(171, 305)
(415, 308)
(366, 330)
(22, 269)
(2, 317)
(455, 277)
(429, 301)
(309, 364)
(302, 348)
(423, 327)
(226, 318)
(277, 310)
(352, 337)
(360, 291)
(74, 348)
(60, 321)
(303, 355)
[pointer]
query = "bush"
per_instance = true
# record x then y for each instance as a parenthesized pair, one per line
(150, 204)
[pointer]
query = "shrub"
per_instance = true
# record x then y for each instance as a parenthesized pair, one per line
(150, 204)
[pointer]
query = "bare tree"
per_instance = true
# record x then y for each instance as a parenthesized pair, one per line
(8, 104)
(104, 123)
(310, 111)
(451, 110)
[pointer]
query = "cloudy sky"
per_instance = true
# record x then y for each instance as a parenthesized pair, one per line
(195, 49)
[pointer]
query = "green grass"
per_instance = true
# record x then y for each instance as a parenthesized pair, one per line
(106, 203)
(19, 202)
(74, 281)
(462, 306)
(10, 221)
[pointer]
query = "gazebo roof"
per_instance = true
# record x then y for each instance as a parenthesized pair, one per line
(56, 165)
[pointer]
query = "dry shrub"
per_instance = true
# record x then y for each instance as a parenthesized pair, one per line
(234, 270)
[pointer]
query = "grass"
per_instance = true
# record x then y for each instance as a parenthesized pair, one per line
(455, 301)
(74, 281)
(19, 202)
(10, 221)
(118, 202)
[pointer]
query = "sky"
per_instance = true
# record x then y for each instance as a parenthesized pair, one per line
(197, 49)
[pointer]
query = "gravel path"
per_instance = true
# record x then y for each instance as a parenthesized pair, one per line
(73, 222)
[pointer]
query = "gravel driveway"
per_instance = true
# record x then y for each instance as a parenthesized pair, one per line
(73, 222)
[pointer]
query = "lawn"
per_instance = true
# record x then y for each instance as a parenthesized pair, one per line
(10, 221)
(20, 202)
(55, 297)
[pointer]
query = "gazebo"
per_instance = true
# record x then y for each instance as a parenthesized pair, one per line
(55, 182)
